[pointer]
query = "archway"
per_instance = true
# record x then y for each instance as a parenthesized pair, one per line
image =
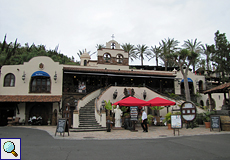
(213, 104)
(190, 85)
(41, 109)
(202, 103)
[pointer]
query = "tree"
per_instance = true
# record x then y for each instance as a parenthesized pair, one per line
(130, 49)
(80, 52)
(193, 47)
(184, 58)
(221, 55)
(142, 50)
(168, 46)
(207, 53)
(156, 53)
(100, 46)
(14, 53)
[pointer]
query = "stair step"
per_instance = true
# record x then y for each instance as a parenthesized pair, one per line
(89, 126)
(87, 119)
(87, 129)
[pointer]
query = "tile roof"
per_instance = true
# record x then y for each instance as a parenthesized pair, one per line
(219, 89)
(130, 72)
(28, 98)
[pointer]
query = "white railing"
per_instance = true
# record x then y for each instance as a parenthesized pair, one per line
(88, 98)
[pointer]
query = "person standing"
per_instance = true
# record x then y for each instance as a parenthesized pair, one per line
(144, 121)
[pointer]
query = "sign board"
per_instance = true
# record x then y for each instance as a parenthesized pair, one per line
(215, 122)
(188, 111)
(62, 126)
(134, 113)
(176, 121)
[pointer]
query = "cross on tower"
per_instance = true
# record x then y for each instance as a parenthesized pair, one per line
(113, 36)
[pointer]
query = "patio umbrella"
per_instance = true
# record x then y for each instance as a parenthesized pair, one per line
(161, 102)
(132, 101)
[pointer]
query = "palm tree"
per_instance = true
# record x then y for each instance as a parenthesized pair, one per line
(156, 50)
(129, 48)
(83, 51)
(207, 53)
(80, 53)
(193, 47)
(168, 46)
(100, 46)
(142, 50)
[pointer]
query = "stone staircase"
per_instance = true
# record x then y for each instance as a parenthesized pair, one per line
(87, 121)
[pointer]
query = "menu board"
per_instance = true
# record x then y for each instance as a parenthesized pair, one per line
(62, 126)
(176, 122)
(133, 113)
(215, 122)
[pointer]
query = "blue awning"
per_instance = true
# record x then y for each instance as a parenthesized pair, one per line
(189, 80)
(40, 73)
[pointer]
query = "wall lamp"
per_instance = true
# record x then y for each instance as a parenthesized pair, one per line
(75, 103)
(103, 104)
(55, 77)
(24, 76)
(115, 94)
(179, 82)
(144, 94)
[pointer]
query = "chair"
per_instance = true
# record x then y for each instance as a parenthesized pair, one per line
(16, 121)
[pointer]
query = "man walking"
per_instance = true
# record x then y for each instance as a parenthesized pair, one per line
(144, 121)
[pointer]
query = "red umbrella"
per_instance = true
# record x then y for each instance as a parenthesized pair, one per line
(161, 102)
(131, 101)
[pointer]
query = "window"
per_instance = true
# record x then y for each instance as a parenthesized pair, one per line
(119, 58)
(9, 80)
(107, 57)
(85, 62)
(40, 84)
(113, 45)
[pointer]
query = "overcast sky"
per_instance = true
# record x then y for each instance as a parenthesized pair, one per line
(79, 24)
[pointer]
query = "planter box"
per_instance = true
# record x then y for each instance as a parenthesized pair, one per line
(225, 123)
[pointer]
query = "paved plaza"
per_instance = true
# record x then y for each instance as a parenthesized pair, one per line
(153, 133)
(39, 142)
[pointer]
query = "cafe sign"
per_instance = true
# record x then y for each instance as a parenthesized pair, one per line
(188, 111)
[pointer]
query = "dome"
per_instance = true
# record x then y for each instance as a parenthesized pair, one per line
(85, 55)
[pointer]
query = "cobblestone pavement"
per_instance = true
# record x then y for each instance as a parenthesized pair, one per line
(154, 132)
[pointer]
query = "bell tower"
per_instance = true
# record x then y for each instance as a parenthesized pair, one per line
(112, 54)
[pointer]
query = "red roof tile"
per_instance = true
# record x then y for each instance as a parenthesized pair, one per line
(219, 89)
(37, 98)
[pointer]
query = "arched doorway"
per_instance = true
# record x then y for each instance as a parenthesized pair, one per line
(201, 86)
(190, 85)
(41, 109)
(202, 103)
(213, 104)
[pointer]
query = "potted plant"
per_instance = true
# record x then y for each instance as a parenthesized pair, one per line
(168, 119)
(206, 118)
(157, 109)
(149, 119)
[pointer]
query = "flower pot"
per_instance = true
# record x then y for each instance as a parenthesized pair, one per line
(207, 124)
(169, 126)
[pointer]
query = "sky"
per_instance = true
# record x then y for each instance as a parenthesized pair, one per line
(82, 24)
